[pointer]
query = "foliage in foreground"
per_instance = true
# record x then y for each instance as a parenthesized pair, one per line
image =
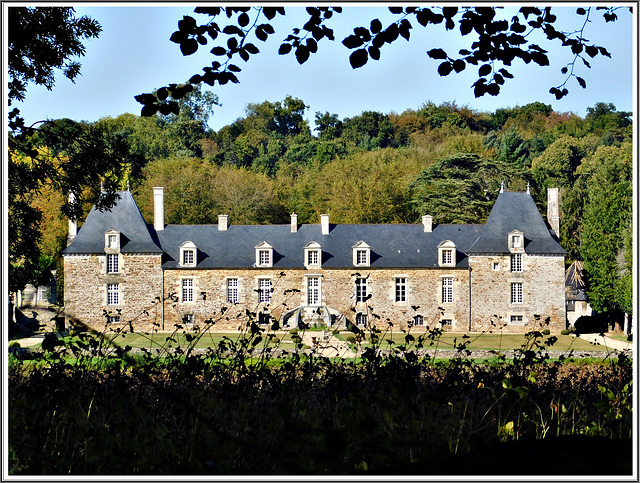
(237, 409)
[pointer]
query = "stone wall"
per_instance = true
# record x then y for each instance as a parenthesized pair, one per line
(337, 292)
(142, 280)
(543, 293)
(85, 288)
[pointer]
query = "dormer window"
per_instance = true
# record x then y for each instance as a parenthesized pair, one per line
(264, 255)
(361, 254)
(516, 241)
(313, 255)
(112, 241)
(188, 254)
(447, 254)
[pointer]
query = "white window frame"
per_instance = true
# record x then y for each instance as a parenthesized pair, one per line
(188, 290)
(447, 290)
(517, 293)
(113, 319)
(264, 255)
(233, 290)
(401, 289)
(265, 289)
(189, 319)
(516, 322)
(112, 240)
(314, 290)
(361, 319)
(113, 294)
(516, 241)
(113, 263)
(447, 254)
(362, 289)
(188, 254)
(418, 320)
(361, 254)
(446, 322)
(516, 262)
(313, 255)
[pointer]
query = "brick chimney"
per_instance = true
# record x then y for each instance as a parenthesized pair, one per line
(553, 210)
(223, 222)
(324, 224)
(427, 221)
(158, 208)
(294, 223)
(73, 225)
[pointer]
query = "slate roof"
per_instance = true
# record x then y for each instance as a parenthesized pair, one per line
(135, 235)
(397, 246)
(516, 211)
(392, 246)
(574, 282)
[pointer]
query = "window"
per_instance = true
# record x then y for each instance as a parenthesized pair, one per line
(447, 290)
(496, 266)
(187, 290)
(264, 255)
(516, 241)
(113, 319)
(312, 257)
(232, 290)
(516, 320)
(401, 289)
(264, 290)
(263, 318)
(516, 262)
(361, 290)
(188, 253)
(418, 320)
(516, 293)
(446, 322)
(113, 294)
(187, 257)
(313, 291)
(361, 254)
(42, 292)
(112, 240)
(361, 319)
(112, 263)
(188, 319)
(447, 254)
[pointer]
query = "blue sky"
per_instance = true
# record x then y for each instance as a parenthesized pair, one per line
(134, 55)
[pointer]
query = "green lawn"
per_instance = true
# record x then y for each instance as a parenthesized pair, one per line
(160, 339)
(506, 342)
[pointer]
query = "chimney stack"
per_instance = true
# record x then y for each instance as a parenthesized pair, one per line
(324, 223)
(427, 221)
(73, 226)
(158, 208)
(294, 223)
(553, 210)
(223, 222)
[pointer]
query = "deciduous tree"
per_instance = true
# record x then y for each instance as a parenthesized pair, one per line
(496, 42)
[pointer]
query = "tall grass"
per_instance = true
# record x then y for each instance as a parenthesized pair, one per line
(247, 406)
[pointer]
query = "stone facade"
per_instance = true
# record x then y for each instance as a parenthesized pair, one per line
(336, 293)
(139, 285)
(410, 275)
